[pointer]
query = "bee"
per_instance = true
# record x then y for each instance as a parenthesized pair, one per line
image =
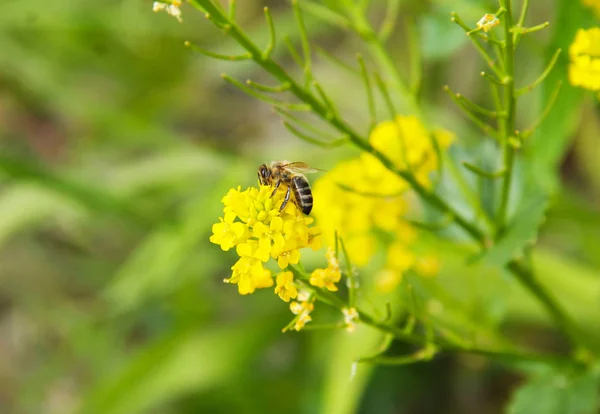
(291, 175)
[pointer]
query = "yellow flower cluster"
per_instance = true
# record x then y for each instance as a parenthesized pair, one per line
(360, 197)
(584, 53)
(253, 224)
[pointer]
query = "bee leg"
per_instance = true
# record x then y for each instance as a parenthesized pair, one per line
(286, 199)
(276, 187)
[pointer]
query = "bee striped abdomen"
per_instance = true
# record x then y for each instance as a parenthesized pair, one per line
(302, 194)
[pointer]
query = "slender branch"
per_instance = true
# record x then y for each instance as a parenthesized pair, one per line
(492, 79)
(368, 91)
(441, 225)
(232, 9)
(313, 140)
(231, 58)
(308, 126)
(268, 99)
(382, 58)
(527, 132)
(482, 173)
(525, 30)
(389, 21)
(325, 14)
(272, 37)
(332, 110)
(479, 109)
(468, 193)
(293, 51)
(337, 61)
(540, 79)
(386, 95)
(524, 8)
(369, 193)
(487, 129)
(305, 42)
(265, 88)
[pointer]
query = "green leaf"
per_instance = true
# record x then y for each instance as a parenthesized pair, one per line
(522, 231)
(557, 393)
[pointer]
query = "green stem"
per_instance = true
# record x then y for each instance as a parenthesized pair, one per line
(508, 122)
(509, 355)
(469, 195)
(528, 280)
(364, 29)
(422, 341)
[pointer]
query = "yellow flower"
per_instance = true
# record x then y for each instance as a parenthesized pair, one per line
(326, 278)
(584, 53)
(351, 318)
(487, 22)
(228, 234)
(285, 286)
(249, 274)
(253, 224)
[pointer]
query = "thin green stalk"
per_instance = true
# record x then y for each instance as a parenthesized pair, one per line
(369, 91)
(508, 122)
(389, 21)
(527, 279)
(542, 76)
(508, 355)
(527, 132)
(471, 197)
(382, 58)
(272, 36)
(386, 95)
(487, 129)
(482, 173)
(305, 43)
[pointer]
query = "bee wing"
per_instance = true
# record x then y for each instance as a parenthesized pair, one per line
(300, 167)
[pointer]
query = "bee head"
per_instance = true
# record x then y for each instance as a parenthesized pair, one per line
(264, 175)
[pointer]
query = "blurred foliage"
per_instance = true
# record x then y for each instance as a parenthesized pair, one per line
(116, 145)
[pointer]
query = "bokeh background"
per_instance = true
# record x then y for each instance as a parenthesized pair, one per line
(116, 146)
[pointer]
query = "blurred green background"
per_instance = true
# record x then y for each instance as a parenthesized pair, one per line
(116, 146)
